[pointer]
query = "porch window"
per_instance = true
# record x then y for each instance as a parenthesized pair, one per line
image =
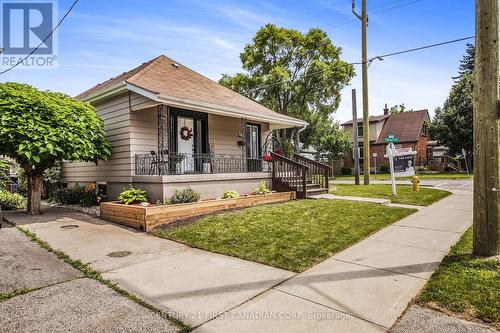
(253, 147)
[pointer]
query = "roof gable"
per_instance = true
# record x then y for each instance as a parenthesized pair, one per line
(371, 119)
(406, 126)
(166, 77)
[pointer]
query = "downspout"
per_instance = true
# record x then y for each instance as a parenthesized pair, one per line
(297, 138)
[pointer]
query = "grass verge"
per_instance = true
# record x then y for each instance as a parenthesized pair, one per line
(422, 176)
(405, 193)
(465, 285)
(294, 235)
(91, 273)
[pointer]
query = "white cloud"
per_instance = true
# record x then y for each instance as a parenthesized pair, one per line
(245, 18)
(223, 43)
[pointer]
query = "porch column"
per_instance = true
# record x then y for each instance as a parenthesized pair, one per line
(163, 135)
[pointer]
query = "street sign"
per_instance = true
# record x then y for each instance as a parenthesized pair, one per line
(391, 138)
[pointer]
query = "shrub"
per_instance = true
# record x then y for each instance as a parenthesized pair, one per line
(10, 201)
(384, 169)
(183, 196)
(132, 195)
(90, 198)
(345, 171)
(230, 195)
(262, 189)
(70, 195)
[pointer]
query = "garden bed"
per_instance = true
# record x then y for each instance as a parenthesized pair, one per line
(147, 217)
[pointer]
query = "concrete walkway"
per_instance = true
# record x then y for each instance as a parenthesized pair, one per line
(349, 198)
(56, 298)
(362, 289)
(379, 201)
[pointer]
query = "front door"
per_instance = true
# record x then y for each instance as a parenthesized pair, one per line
(189, 141)
(185, 143)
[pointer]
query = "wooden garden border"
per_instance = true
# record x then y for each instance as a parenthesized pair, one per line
(146, 218)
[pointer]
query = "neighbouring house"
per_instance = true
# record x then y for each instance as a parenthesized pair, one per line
(170, 127)
(409, 127)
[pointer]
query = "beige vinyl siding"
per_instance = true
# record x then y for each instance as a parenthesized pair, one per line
(118, 124)
(144, 131)
(223, 134)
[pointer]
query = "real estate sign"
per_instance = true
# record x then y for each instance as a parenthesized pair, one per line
(402, 163)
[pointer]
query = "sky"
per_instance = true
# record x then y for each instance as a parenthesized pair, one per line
(101, 39)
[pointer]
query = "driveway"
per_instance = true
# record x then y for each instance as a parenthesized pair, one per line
(55, 297)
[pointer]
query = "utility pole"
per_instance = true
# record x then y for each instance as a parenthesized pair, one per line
(486, 131)
(364, 72)
(355, 149)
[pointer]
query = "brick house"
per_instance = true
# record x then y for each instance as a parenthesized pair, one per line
(409, 127)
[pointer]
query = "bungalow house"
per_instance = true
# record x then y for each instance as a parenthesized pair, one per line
(170, 127)
(409, 127)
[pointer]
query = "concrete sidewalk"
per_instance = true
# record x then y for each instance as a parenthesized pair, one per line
(55, 297)
(192, 285)
(364, 288)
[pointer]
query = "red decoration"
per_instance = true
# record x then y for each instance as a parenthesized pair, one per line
(267, 158)
(278, 151)
(186, 133)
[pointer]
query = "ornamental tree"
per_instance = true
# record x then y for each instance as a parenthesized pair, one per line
(39, 128)
(331, 141)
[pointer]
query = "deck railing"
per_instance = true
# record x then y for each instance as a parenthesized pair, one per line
(318, 172)
(289, 175)
(196, 163)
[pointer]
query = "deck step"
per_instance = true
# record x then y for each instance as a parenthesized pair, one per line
(316, 191)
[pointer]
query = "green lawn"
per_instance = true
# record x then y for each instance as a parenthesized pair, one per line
(422, 176)
(465, 285)
(294, 235)
(405, 193)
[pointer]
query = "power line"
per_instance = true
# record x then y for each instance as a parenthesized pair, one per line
(394, 7)
(370, 60)
(395, 3)
(43, 41)
(344, 22)
(381, 57)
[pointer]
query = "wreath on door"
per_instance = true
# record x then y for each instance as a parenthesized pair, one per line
(186, 133)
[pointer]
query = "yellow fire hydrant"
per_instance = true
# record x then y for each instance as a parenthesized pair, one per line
(415, 180)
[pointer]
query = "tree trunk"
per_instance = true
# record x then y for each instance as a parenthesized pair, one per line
(35, 184)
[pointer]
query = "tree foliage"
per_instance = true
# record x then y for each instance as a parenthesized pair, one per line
(453, 124)
(38, 128)
(399, 109)
(332, 141)
(295, 74)
(466, 65)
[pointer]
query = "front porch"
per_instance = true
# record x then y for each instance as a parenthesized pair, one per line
(172, 148)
